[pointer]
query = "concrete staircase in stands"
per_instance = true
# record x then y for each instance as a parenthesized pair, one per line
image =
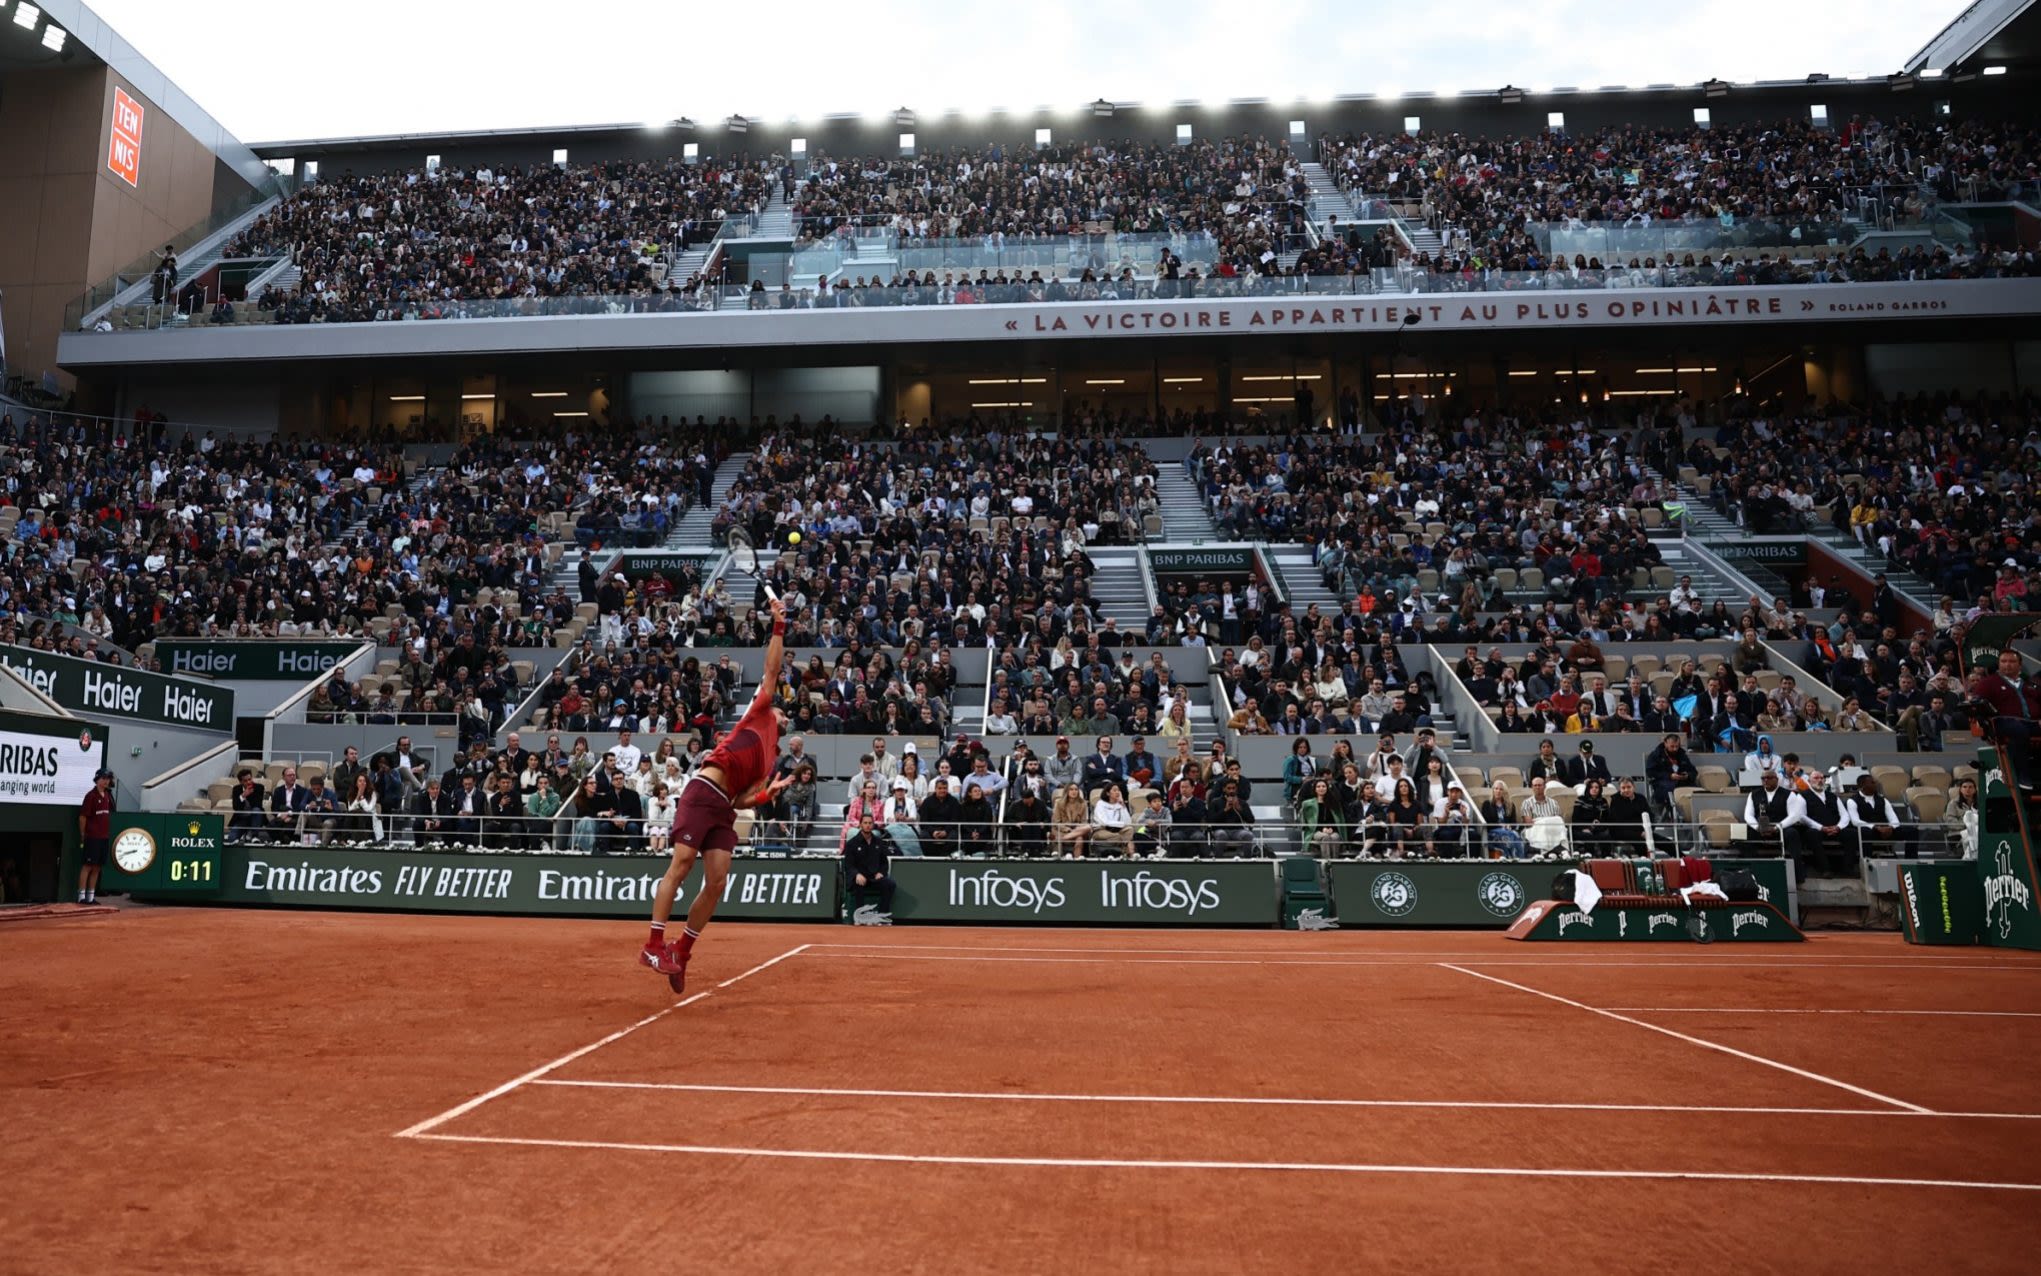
(1184, 516)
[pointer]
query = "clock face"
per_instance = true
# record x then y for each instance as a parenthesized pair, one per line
(134, 850)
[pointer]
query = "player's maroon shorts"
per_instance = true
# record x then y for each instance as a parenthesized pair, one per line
(703, 817)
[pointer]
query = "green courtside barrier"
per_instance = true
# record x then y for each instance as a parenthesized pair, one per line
(1445, 893)
(560, 885)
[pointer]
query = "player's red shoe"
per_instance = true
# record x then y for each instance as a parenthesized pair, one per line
(676, 978)
(664, 958)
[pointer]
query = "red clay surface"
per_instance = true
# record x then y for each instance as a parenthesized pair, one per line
(218, 1091)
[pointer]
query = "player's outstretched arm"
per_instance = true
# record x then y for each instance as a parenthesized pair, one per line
(775, 652)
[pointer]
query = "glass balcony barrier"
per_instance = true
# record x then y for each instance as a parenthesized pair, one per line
(930, 289)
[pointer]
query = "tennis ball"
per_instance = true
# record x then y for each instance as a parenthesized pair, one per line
(793, 538)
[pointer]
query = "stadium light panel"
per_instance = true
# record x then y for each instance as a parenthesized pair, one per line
(53, 38)
(1102, 108)
(549, 394)
(1509, 95)
(1931, 73)
(1994, 70)
(1715, 88)
(27, 16)
(407, 398)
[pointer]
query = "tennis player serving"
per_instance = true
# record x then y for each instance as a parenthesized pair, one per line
(730, 779)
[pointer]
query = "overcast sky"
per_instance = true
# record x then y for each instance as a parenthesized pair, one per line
(272, 70)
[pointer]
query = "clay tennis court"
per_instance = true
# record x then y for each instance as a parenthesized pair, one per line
(222, 1091)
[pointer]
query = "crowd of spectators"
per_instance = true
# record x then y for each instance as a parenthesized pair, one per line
(1943, 486)
(129, 536)
(962, 534)
(1413, 524)
(416, 244)
(1627, 206)
(126, 539)
(1703, 195)
(1244, 194)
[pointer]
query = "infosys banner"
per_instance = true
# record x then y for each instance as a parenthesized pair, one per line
(48, 770)
(103, 690)
(1106, 892)
(251, 660)
(568, 885)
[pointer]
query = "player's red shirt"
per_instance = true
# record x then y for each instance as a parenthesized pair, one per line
(748, 753)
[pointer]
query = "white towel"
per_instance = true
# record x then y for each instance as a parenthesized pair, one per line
(1702, 890)
(1585, 892)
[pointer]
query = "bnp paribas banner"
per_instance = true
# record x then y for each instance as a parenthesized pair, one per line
(1102, 892)
(569, 885)
(97, 689)
(252, 659)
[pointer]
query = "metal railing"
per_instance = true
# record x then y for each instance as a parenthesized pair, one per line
(608, 828)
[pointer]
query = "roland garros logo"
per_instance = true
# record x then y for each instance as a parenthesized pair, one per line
(1394, 894)
(1501, 894)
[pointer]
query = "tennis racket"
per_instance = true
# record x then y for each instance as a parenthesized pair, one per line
(744, 558)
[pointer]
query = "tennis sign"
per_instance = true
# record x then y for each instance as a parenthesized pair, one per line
(1113, 893)
(124, 144)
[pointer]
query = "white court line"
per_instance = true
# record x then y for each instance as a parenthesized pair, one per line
(419, 1130)
(1670, 958)
(1266, 1101)
(1749, 1010)
(1089, 1163)
(1697, 1041)
(1104, 958)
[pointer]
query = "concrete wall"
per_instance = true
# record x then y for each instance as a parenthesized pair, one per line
(71, 223)
(52, 148)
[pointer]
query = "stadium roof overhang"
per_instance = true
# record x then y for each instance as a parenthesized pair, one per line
(1990, 33)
